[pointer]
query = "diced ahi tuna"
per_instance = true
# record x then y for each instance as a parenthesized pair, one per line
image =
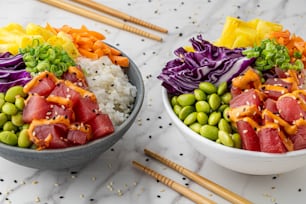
(289, 108)
(85, 109)
(62, 90)
(43, 87)
(270, 141)
(249, 97)
(76, 76)
(299, 139)
(36, 108)
(60, 110)
(101, 125)
(249, 138)
(79, 133)
(52, 136)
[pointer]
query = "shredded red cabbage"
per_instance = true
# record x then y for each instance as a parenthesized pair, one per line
(12, 71)
(206, 63)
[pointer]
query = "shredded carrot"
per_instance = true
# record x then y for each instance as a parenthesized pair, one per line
(90, 44)
(294, 44)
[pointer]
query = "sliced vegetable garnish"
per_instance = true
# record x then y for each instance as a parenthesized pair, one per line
(44, 57)
(270, 54)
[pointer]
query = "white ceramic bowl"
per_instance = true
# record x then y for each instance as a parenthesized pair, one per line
(243, 161)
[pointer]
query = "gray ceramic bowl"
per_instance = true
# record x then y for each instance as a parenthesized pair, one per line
(79, 155)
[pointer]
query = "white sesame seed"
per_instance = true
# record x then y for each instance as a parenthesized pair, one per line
(37, 199)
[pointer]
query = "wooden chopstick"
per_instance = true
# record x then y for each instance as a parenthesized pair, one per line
(206, 183)
(119, 14)
(197, 198)
(92, 15)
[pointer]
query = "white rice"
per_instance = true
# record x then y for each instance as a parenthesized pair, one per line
(114, 92)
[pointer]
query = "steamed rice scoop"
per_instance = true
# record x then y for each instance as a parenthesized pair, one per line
(114, 92)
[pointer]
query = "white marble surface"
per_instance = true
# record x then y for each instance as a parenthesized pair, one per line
(111, 178)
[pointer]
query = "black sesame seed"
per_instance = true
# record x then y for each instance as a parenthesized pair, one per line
(299, 190)
(73, 172)
(147, 159)
(181, 154)
(158, 196)
(61, 197)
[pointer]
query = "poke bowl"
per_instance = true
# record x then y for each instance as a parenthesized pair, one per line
(58, 150)
(212, 117)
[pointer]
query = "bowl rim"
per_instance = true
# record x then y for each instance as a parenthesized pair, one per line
(195, 136)
(134, 112)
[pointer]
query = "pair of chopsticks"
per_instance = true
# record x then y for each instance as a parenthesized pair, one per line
(62, 4)
(194, 196)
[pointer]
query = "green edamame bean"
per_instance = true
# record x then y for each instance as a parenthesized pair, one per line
(25, 126)
(225, 138)
(19, 102)
(222, 107)
(17, 119)
(2, 101)
(209, 131)
(202, 118)
(218, 141)
(191, 118)
(186, 99)
(224, 125)
(237, 140)
(199, 95)
(8, 137)
(214, 101)
(195, 127)
(12, 92)
(202, 106)
(222, 88)
(214, 118)
(3, 119)
(9, 108)
(9, 126)
(23, 139)
(208, 87)
(177, 109)
(226, 115)
(174, 100)
(2, 95)
(226, 98)
(185, 112)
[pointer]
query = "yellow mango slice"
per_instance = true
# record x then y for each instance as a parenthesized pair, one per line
(239, 33)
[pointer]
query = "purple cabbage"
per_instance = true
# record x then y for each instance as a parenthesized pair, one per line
(12, 71)
(207, 63)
